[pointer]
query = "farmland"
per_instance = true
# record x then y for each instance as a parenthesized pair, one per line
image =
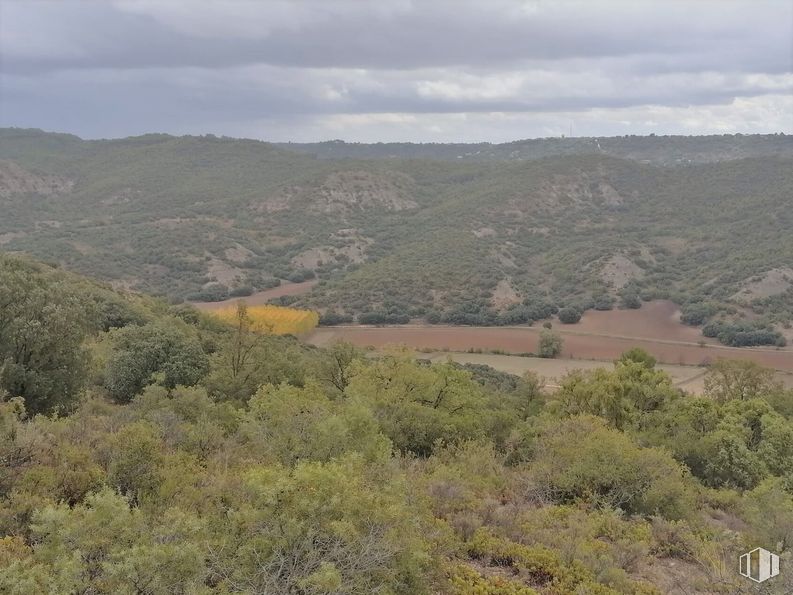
(600, 336)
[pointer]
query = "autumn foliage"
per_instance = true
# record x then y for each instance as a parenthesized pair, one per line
(268, 318)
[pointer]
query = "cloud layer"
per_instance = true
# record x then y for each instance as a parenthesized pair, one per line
(396, 69)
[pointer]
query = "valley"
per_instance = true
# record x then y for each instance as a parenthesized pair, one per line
(396, 298)
(518, 340)
(502, 241)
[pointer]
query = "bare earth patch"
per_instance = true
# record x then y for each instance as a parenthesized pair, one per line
(504, 258)
(504, 295)
(619, 270)
(770, 283)
(354, 252)
(17, 180)
(658, 319)
(576, 190)
(172, 222)
(238, 254)
(484, 232)
(224, 272)
(83, 248)
(359, 190)
(281, 201)
(7, 238)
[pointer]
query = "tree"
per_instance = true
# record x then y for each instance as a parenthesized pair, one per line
(569, 315)
(237, 366)
(739, 379)
(730, 463)
(418, 406)
(335, 366)
(290, 424)
(603, 301)
(529, 394)
(621, 396)
(550, 344)
(696, 313)
(44, 322)
(631, 300)
(638, 355)
(162, 353)
(250, 356)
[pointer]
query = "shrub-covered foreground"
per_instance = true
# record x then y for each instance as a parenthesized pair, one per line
(286, 469)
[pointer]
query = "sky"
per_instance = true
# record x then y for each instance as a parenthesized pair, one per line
(397, 70)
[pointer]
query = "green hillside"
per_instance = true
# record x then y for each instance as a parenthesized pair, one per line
(149, 448)
(659, 150)
(463, 241)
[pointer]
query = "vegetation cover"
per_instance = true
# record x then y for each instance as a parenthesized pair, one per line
(510, 239)
(182, 454)
(269, 318)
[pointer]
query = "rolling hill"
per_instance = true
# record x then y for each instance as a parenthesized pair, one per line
(497, 239)
(658, 150)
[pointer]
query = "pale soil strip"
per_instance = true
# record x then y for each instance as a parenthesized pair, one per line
(688, 378)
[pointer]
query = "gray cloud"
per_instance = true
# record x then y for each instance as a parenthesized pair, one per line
(328, 68)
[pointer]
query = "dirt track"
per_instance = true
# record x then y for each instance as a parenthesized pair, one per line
(262, 297)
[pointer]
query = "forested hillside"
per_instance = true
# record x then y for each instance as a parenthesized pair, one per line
(148, 448)
(659, 150)
(506, 241)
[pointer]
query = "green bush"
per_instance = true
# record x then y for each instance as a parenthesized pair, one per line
(569, 315)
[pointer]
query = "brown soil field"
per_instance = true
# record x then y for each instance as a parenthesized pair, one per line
(599, 336)
(656, 320)
(524, 340)
(261, 297)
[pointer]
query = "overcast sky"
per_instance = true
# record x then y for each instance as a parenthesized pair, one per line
(397, 70)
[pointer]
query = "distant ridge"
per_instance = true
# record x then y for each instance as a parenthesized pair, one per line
(659, 150)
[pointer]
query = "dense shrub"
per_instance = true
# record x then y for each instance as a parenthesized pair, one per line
(269, 283)
(603, 302)
(301, 275)
(631, 301)
(433, 317)
(241, 291)
(515, 315)
(743, 334)
(163, 353)
(333, 318)
(696, 313)
(582, 458)
(214, 292)
(550, 344)
(383, 318)
(569, 315)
